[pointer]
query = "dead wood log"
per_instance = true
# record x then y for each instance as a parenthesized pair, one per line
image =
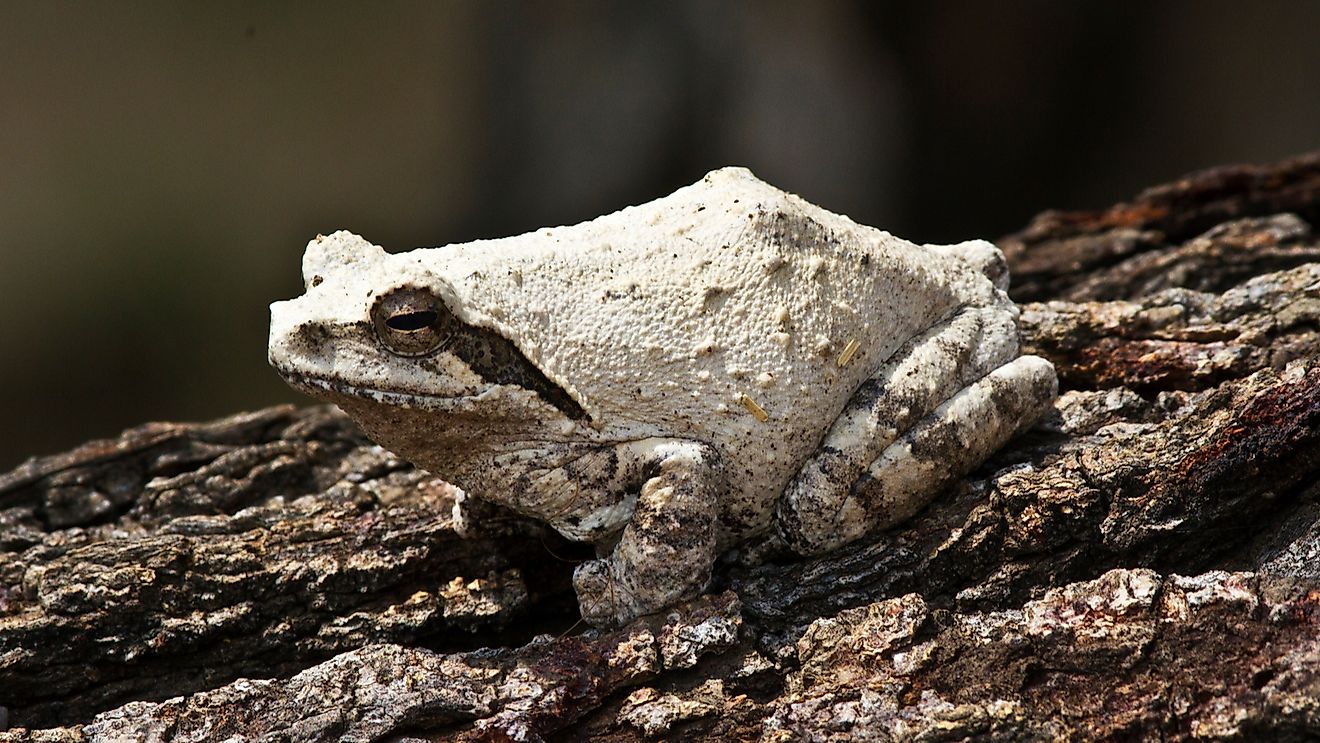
(1145, 563)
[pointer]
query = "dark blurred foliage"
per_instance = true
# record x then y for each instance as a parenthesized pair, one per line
(163, 164)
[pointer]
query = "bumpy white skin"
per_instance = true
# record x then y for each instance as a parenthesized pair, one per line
(675, 378)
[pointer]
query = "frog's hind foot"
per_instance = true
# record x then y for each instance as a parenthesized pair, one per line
(957, 437)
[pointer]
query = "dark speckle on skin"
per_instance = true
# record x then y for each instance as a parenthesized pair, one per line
(310, 339)
(498, 361)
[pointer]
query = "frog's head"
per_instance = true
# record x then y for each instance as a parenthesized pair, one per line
(390, 340)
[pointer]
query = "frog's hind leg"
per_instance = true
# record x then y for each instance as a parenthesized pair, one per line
(946, 401)
(982, 255)
(953, 440)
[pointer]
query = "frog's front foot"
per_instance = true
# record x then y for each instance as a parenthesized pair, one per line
(667, 550)
(604, 600)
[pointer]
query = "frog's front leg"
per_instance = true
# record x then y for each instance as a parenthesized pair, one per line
(941, 406)
(667, 550)
(651, 504)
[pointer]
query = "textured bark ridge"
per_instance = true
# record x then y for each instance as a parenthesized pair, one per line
(1144, 564)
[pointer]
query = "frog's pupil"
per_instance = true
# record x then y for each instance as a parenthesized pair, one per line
(410, 321)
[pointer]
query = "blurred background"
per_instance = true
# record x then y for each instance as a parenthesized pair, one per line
(163, 164)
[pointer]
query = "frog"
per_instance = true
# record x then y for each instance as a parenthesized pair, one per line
(723, 368)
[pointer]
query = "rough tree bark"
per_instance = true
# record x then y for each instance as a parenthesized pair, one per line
(1144, 564)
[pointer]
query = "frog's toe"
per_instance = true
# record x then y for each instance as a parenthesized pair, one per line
(602, 600)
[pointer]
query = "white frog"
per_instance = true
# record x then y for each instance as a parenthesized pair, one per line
(724, 364)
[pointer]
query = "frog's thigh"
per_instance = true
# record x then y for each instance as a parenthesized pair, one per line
(925, 372)
(667, 549)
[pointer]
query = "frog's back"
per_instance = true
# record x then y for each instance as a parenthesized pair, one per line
(728, 312)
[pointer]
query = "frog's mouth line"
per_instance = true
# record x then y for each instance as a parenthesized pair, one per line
(311, 384)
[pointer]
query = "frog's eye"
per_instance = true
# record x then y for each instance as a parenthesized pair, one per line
(408, 321)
